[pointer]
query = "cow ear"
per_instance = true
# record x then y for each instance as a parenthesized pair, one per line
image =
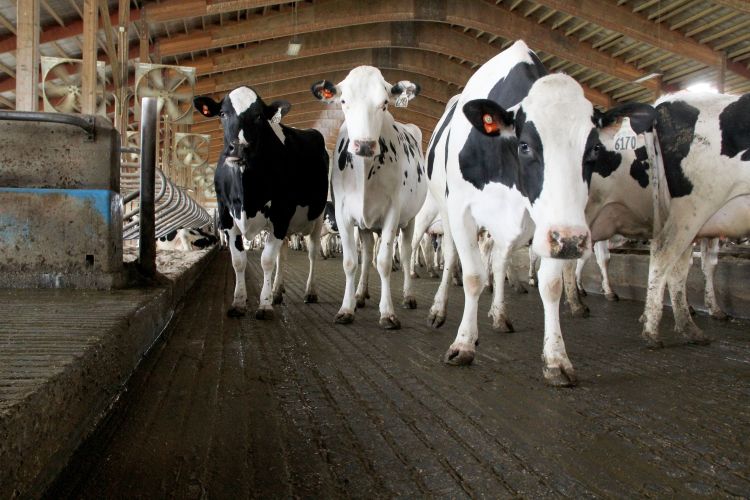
(277, 109)
(207, 106)
(488, 116)
(642, 116)
(406, 89)
(324, 91)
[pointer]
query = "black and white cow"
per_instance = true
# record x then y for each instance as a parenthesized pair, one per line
(186, 240)
(377, 182)
(508, 156)
(269, 176)
(329, 231)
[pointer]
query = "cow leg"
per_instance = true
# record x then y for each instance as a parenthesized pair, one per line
(313, 246)
(267, 260)
(410, 302)
(513, 280)
(349, 262)
(388, 319)
(709, 261)
(368, 245)
(278, 281)
(499, 262)
(558, 370)
(420, 227)
(676, 281)
(239, 263)
(533, 279)
(601, 252)
(577, 308)
(579, 276)
(437, 313)
(463, 349)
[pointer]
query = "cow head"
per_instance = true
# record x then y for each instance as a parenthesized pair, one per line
(551, 127)
(364, 96)
(247, 121)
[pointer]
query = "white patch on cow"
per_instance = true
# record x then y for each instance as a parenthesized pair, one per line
(241, 137)
(278, 131)
(242, 98)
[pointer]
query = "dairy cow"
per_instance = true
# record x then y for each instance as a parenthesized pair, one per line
(185, 240)
(378, 183)
(269, 176)
(508, 155)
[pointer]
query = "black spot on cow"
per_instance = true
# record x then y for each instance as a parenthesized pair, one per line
(675, 126)
(639, 167)
(372, 170)
(393, 148)
(436, 138)
(597, 158)
(406, 173)
(169, 236)
(238, 243)
(346, 158)
(406, 149)
(734, 122)
(485, 159)
(419, 172)
(383, 150)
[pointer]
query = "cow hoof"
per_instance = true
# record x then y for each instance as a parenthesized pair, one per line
(344, 318)
(311, 298)
(360, 302)
(501, 324)
(390, 322)
(264, 313)
(557, 376)
(236, 312)
(367, 294)
(582, 292)
(409, 303)
(436, 319)
(459, 355)
(612, 297)
(580, 312)
(532, 282)
(699, 341)
(652, 342)
(414, 275)
(278, 298)
(720, 316)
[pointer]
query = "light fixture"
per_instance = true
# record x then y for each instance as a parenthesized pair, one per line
(295, 44)
(702, 87)
(647, 77)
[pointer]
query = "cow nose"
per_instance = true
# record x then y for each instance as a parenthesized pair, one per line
(568, 244)
(364, 148)
(232, 148)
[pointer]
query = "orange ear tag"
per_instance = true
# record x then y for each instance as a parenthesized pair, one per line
(490, 126)
(327, 93)
(205, 110)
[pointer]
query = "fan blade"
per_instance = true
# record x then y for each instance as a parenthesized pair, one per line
(156, 78)
(188, 158)
(175, 81)
(144, 91)
(182, 96)
(159, 105)
(68, 104)
(60, 71)
(172, 110)
(52, 89)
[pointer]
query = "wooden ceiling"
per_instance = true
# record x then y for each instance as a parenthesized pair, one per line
(619, 50)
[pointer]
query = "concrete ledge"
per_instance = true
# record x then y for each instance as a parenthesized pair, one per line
(65, 356)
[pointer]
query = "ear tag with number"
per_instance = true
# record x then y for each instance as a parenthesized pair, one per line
(490, 125)
(625, 138)
(402, 100)
(277, 117)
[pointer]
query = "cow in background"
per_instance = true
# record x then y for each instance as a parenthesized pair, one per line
(377, 182)
(186, 240)
(269, 176)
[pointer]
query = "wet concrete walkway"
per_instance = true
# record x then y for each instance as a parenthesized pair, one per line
(300, 407)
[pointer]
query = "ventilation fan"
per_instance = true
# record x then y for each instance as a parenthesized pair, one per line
(134, 141)
(173, 86)
(61, 86)
(203, 172)
(191, 150)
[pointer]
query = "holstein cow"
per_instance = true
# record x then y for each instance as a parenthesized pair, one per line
(186, 240)
(329, 231)
(269, 176)
(508, 156)
(377, 181)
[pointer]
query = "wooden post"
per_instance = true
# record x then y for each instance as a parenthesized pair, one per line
(121, 115)
(90, 49)
(143, 37)
(722, 76)
(27, 56)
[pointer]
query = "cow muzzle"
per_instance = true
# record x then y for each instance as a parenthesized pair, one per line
(569, 243)
(364, 148)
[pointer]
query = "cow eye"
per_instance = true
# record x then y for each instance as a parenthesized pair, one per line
(524, 148)
(343, 101)
(221, 114)
(598, 147)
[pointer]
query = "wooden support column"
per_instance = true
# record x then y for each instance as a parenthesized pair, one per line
(121, 116)
(722, 76)
(143, 36)
(88, 71)
(27, 56)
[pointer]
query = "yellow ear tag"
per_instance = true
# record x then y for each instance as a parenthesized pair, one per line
(625, 138)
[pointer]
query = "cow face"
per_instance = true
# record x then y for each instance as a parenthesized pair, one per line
(551, 127)
(246, 120)
(364, 96)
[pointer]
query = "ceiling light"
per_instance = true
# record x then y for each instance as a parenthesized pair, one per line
(702, 87)
(294, 47)
(647, 77)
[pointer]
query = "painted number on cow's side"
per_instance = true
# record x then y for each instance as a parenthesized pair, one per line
(625, 138)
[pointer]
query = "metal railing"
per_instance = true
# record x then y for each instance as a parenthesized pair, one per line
(162, 205)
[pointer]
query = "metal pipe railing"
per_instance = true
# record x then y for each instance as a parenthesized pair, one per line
(86, 122)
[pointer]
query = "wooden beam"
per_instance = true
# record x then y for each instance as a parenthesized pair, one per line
(143, 38)
(742, 6)
(27, 56)
(88, 72)
(174, 10)
(109, 38)
(9, 25)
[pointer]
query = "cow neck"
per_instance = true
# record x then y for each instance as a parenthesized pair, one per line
(374, 197)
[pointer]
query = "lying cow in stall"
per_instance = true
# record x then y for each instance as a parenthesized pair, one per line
(329, 232)
(377, 182)
(185, 239)
(269, 176)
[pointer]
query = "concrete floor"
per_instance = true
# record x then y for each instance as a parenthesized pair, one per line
(300, 407)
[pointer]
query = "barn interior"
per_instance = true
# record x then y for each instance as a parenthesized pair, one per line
(120, 374)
